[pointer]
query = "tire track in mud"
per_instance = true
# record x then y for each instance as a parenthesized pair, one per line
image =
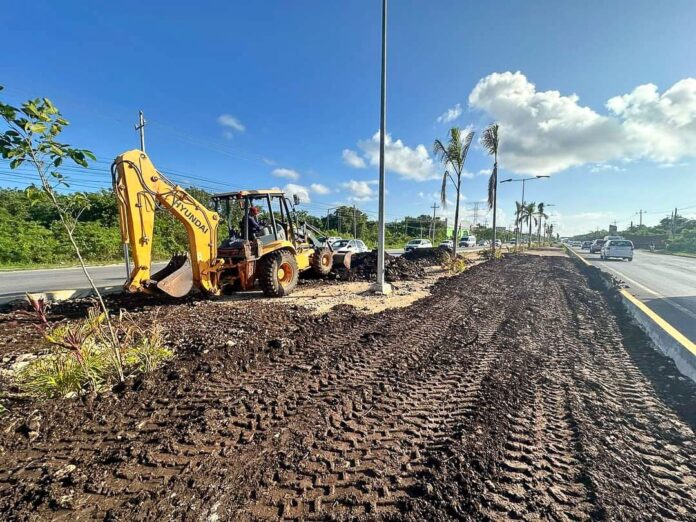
(638, 436)
(506, 394)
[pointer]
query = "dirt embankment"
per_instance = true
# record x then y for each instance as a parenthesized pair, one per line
(511, 392)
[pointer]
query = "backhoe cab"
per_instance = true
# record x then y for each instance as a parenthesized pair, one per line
(273, 254)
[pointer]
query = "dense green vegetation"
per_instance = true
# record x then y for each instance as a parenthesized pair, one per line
(30, 234)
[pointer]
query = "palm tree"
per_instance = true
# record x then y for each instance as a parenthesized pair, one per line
(489, 140)
(549, 230)
(452, 156)
(528, 213)
(541, 215)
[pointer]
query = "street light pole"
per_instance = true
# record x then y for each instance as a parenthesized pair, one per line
(382, 286)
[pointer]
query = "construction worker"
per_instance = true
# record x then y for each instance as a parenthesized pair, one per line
(252, 222)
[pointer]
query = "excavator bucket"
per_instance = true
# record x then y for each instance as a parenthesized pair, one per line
(175, 279)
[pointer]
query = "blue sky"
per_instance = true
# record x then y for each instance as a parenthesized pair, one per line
(279, 93)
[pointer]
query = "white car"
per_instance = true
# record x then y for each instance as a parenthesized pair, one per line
(467, 241)
(331, 240)
(349, 245)
(447, 243)
(417, 243)
(498, 243)
(621, 248)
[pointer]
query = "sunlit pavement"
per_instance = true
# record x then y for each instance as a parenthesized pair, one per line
(667, 284)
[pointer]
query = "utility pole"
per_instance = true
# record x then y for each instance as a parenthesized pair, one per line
(355, 225)
(640, 222)
(141, 129)
(434, 207)
(382, 286)
(674, 222)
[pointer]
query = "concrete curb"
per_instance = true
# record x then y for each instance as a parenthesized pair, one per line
(668, 339)
(60, 295)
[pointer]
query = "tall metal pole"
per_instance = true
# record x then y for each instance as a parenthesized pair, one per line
(382, 286)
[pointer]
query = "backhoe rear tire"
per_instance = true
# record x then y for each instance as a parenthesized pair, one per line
(278, 273)
(321, 262)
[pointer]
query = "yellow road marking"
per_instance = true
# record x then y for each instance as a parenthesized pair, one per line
(671, 330)
(668, 328)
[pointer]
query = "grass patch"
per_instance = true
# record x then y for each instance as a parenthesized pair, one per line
(82, 357)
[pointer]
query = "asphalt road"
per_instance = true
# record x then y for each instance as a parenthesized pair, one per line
(667, 284)
(15, 283)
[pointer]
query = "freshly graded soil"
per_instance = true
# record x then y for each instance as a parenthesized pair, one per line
(512, 392)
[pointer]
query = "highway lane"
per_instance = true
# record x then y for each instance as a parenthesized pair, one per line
(667, 284)
(13, 284)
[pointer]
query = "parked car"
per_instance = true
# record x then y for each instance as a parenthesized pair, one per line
(417, 243)
(621, 248)
(447, 243)
(467, 241)
(349, 245)
(596, 246)
(331, 240)
(586, 245)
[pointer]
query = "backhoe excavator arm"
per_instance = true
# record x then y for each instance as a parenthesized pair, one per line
(139, 187)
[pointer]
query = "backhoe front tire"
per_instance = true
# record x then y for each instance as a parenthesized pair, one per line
(321, 262)
(278, 273)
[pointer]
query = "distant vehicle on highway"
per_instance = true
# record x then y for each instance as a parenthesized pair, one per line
(349, 245)
(417, 243)
(586, 245)
(513, 241)
(609, 238)
(621, 248)
(597, 245)
(447, 243)
(498, 243)
(467, 241)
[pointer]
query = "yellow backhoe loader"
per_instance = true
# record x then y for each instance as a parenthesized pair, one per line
(270, 253)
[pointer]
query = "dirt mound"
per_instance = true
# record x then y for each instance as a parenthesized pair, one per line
(429, 256)
(489, 400)
(364, 266)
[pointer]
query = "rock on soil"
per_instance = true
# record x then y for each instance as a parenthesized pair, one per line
(491, 399)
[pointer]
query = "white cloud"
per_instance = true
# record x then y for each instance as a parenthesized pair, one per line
(269, 161)
(286, 173)
(542, 132)
(302, 192)
(415, 164)
(450, 114)
(351, 158)
(605, 167)
(229, 121)
(361, 190)
(318, 188)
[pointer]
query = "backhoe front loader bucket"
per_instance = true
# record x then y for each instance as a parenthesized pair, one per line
(175, 279)
(342, 260)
